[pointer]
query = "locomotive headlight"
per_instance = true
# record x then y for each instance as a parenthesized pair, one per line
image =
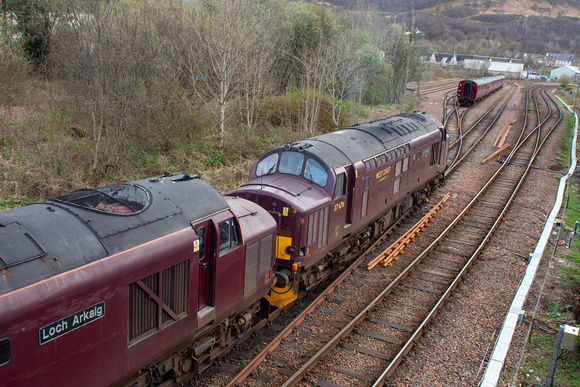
(291, 250)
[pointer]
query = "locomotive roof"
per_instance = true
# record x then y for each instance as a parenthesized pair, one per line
(44, 239)
(359, 142)
(481, 81)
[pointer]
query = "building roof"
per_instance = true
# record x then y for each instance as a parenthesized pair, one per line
(574, 69)
(561, 57)
(442, 57)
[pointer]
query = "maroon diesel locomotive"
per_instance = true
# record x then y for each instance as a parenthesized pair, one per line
(470, 91)
(160, 275)
(331, 194)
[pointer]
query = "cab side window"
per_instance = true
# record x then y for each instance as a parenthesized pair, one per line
(315, 173)
(201, 237)
(267, 165)
(339, 185)
(228, 234)
(5, 351)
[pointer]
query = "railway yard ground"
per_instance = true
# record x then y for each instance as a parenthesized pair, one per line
(456, 344)
(454, 349)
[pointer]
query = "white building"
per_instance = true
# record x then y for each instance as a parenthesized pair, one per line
(504, 66)
(572, 71)
(511, 68)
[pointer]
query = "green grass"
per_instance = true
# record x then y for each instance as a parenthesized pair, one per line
(536, 365)
(13, 202)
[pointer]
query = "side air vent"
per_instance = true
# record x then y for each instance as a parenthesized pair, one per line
(149, 298)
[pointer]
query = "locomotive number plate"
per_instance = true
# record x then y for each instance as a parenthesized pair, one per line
(70, 323)
(383, 175)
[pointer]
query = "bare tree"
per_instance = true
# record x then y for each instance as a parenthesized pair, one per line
(268, 46)
(112, 55)
(216, 45)
(342, 70)
(314, 75)
(81, 38)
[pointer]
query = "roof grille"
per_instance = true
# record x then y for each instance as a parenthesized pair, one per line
(115, 199)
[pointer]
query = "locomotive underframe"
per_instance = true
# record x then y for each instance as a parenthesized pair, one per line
(189, 361)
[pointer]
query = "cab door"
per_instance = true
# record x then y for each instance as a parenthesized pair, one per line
(206, 250)
(342, 202)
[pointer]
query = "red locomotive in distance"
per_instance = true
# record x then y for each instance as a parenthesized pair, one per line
(471, 91)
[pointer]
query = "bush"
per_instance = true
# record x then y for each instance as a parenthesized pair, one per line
(278, 110)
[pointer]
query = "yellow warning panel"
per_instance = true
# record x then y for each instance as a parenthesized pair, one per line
(281, 243)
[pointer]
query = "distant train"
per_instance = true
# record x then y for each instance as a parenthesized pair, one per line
(148, 283)
(471, 91)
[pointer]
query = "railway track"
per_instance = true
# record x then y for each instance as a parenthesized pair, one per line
(463, 142)
(335, 337)
(435, 87)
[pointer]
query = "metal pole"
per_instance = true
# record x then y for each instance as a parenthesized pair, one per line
(552, 367)
(408, 61)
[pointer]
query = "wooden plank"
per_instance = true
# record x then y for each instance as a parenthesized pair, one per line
(324, 383)
(412, 296)
(388, 255)
(502, 149)
(422, 288)
(435, 281)
(440, 274)
(498, 136)
(286, 371)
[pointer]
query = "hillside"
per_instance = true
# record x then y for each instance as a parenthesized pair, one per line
(488, 27)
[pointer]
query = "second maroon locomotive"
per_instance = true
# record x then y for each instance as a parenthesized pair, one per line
(331, 194)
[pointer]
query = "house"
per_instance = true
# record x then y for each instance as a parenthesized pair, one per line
(501, 66)
(443, 59)
(558, 60)
(536, 58)
(572, 71)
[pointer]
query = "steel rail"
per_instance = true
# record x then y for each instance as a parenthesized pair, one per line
(457, 161)
(333, 343)
(272, 345)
